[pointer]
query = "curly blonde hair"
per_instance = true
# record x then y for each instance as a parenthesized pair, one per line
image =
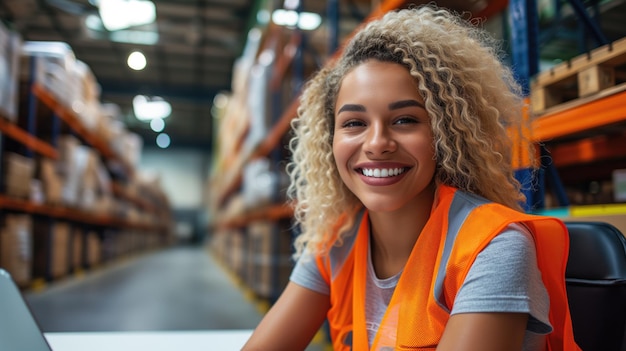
(470, 96)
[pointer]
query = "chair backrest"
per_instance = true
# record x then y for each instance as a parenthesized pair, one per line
(596, 285)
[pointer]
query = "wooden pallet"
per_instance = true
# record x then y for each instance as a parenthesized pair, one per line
(581, 77)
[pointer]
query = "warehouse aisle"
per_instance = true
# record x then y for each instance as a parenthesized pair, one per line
(180, 288)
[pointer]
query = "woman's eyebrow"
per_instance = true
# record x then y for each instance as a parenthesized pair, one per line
(352, 107)
(405, 103)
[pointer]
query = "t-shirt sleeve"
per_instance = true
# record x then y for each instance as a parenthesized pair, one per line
(505, 278)
(306, 274)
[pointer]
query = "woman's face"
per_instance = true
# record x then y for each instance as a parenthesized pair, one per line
(383, 143)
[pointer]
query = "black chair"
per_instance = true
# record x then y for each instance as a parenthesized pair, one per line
(596, 285)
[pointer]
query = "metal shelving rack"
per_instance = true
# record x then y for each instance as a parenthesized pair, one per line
(576, 132)
(32, 144)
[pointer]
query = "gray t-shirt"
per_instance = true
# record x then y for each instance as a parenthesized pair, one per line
(504, 278)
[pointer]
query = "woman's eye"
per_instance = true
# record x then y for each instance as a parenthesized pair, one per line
(406, 120)
(352, 123)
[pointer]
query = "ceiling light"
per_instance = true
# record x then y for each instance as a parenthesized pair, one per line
(290, 18)
(163, 140)
(285, 17)
(220, 100)
(96, 30)
(121, 14)
(137, 61)
(309, 21)
(263, 16)
(147, 108)
(94, 22)
(142, 37)
(157, 125)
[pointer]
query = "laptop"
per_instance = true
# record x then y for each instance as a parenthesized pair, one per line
(19, 330)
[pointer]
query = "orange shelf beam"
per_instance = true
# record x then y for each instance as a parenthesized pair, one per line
(74, 123)
(276, 133)
(596, 113)
(18, 134)
(65, 213)
(270, 213)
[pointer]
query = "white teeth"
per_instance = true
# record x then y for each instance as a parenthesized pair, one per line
(382, 173)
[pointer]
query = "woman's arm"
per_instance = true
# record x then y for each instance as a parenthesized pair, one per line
(484, 332)
(292, 321)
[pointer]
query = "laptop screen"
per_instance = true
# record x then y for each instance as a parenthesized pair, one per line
(18, 328)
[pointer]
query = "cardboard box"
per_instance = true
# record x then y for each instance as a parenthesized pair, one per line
(77, 250)
(51, 180)
(51, 248)
(268, 259)
(16, 247)
(270, 274)
(49, 64)
(19, 172)
(93, 248)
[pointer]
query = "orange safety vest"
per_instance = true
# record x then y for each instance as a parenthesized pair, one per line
(459, 228)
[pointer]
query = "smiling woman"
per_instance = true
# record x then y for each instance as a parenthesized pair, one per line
(412, 232)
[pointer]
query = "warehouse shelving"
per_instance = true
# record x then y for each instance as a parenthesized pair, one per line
(70, 118)
(580, 124)
(45, 149)
(72, 214)
(593, 112)
(135, 220)
(269, 213)
(20, 135)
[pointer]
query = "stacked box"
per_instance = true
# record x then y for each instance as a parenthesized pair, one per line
(85, 92)
(16, 247)
(269, 260)
(77, 248)
(49, 64)
(52, 248)
(19, 173)
(88, 190)
(93, 249)
(51, 180)
(10, 47)
(75, 177)
(127, 146)
(235, 251)
(59, 263)
(85, 182)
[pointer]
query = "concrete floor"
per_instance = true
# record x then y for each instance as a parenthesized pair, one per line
(179, 288)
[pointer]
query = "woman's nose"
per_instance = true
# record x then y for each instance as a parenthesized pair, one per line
(379, 140)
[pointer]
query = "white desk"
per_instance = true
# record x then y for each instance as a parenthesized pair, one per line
(218, 340)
